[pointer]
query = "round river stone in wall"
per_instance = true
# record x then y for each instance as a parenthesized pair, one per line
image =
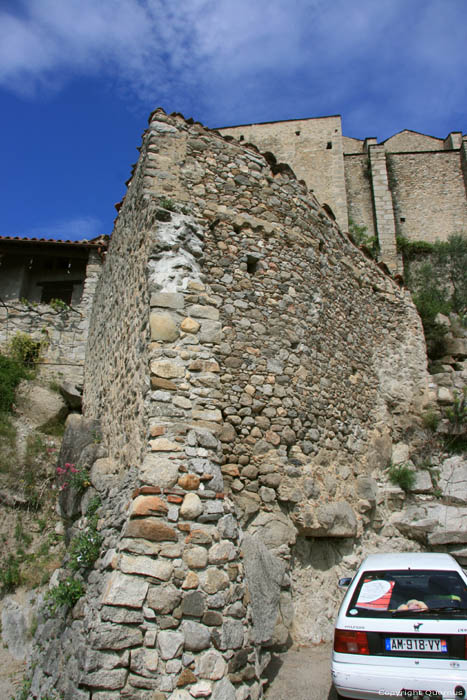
(159, 471)
(191, 506)
(163, 327)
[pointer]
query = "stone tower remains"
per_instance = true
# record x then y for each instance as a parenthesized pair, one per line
(249, 370)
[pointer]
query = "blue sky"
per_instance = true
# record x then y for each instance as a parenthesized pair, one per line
(78, 79)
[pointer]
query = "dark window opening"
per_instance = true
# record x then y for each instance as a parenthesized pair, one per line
(297, 133)
(242, 138)
(329, 145)
(56, 290)
(57, 265)
(402, 219)
(252, 264)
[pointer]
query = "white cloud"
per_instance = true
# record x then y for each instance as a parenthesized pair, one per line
(74, 229)
(239, 58)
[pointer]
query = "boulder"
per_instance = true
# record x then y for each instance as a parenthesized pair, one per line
(367, 489)
(80, 448)
(104, 473)
(39, 404)
(273, 529)
(335, 519)
(433, 523)
(453, 479)
(73, 395)
(18, 612)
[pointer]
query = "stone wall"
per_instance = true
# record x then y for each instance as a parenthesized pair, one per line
(62, 332)
(250, 369)
(359, 193)
(410, 141)
(429, 194)
(312, 147)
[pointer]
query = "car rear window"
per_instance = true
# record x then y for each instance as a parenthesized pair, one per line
(408, 592)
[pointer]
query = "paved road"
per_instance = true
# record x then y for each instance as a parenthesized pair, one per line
(301, 674)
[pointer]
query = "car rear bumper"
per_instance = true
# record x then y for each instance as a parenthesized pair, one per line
(373, 682)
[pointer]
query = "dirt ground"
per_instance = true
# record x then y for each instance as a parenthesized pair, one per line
(301, 674)
(11, 675)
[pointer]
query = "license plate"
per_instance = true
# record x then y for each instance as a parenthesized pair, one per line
(423, 644)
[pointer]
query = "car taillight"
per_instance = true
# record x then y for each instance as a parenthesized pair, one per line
(351, 642)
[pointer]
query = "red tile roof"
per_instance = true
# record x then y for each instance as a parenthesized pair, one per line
(99, 242)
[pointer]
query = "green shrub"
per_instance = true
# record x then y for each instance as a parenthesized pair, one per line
(93, 506)
(167, 203)
(451, 257)
(10, 575)
(431, 420)
(84, 549)
(359, 235)
(24, 349)
(59, 305)
(11, 373)
(456, 440)
(431, 299)
(8, 457)
(457, 415)
(401, 475)
(67, 593)
(439, 285)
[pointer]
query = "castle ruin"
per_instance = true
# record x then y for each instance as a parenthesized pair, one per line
(249, 375)
(410, 185)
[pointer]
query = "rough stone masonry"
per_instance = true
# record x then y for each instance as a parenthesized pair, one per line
(249, 369)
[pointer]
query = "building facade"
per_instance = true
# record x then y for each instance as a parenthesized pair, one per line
(411, 184)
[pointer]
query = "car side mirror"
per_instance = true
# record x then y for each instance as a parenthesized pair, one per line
(345, 582)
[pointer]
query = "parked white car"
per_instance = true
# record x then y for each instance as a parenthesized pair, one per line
(401, 630)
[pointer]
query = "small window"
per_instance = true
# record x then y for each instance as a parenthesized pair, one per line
(297, 133)
(242, 138)
(252, 264)
(329, 145)
(402, 219)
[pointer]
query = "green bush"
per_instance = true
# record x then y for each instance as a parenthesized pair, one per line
(59, 305)
(24, 349)
(431, 420)
(359, 235)
(401, 475)
(67, 593)
(11, 373)
(167, 203)
(431, 299)
(8, 456)
(10, 575)
(457, 415)
(439, 285)
(84, 549)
